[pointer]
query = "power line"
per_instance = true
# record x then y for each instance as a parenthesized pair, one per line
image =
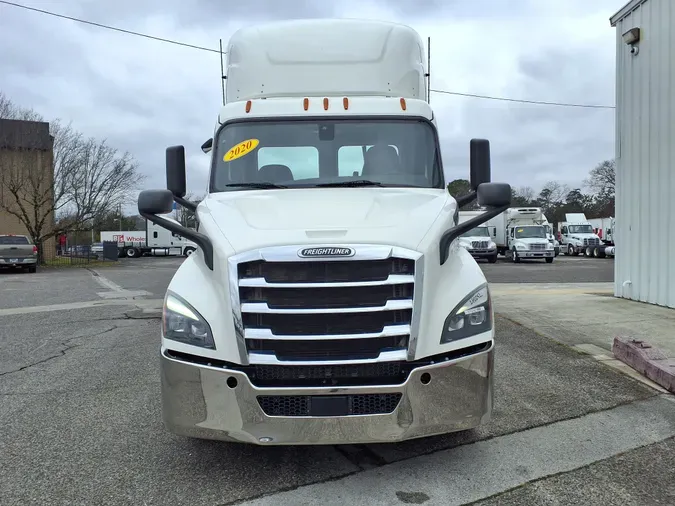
(108, 27)
(202, 48)
(523, 101)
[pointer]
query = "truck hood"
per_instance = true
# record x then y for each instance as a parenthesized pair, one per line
(257, 218)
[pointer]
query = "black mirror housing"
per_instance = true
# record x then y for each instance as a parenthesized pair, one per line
(480, 167)
(208, 145)
(494, 194)
(152, 203)
(155, 202)
(175, 171)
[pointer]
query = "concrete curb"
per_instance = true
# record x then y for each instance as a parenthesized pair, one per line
(647, 360)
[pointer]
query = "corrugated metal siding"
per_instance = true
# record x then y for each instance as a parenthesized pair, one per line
(645, 151)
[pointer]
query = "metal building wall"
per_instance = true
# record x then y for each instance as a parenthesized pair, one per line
(645, 154)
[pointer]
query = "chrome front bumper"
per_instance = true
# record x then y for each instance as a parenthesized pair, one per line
(197, 402)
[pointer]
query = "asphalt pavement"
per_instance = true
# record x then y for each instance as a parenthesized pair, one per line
(80, 412)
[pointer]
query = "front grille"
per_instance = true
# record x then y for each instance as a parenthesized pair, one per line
(479, 244)
(340, 271)
(325, 309)
(538, 246)
(329, 405)
(592, 242)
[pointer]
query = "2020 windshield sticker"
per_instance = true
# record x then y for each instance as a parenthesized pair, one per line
(241, 149)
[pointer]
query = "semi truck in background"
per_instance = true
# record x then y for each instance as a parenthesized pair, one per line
(155, 240)
(329, 300)
(577, 235)
(604, 228)
(523, 233)
(477, 241)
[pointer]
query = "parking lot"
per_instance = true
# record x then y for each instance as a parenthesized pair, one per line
(81, 419)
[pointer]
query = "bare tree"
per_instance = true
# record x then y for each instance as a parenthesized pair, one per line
(88, 179)
(9, 110)
(602, 179)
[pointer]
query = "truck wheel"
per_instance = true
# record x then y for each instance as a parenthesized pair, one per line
(188, 251)
(493, 258)
(596, 251)
(549, 260)
(515, 257)
(132, 252)
(570, 250)
(601, 252)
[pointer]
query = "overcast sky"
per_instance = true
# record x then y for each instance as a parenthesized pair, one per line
(143, 95)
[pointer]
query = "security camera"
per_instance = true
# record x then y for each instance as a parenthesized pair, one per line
(634, 50)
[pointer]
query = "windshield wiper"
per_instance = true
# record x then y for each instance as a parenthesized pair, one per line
(358, 182)
(256, 185)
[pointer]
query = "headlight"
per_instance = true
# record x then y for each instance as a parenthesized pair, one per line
(521, 246)
(470, 317)
(182, 323)
(492, 245)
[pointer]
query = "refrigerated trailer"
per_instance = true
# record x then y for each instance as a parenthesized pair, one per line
(329, 300)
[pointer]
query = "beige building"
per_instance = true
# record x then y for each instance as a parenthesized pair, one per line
(26, 166)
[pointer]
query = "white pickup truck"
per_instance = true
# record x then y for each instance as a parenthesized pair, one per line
(328, 301)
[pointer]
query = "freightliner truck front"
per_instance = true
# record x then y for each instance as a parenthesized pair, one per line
(328, 301)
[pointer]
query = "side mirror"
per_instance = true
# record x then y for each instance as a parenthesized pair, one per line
(155, 202)
(175, 170)
(175, 176)
(207, 146)
(479, 156)
(152, 203)
(494, 194)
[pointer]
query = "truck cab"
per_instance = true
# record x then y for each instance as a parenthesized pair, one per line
(577, 235)
(478, 241)
(529, 242)
(329, 300)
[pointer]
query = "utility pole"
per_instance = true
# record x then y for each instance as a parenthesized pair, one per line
(120, 211)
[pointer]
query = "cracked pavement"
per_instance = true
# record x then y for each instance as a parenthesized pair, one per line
(81, 421)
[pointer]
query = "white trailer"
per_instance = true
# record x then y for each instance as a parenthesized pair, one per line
(523, 233)
(155, 240)
(604, 229)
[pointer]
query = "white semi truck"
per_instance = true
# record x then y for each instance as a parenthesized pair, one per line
(478, 241)
(329, 300)
(577, 235)
(605, 229)
(523, 233)
(154, 240)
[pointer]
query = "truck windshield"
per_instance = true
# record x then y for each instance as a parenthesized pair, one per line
(580, 229)
(530, 232)
(310, 153)
(477, 232)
